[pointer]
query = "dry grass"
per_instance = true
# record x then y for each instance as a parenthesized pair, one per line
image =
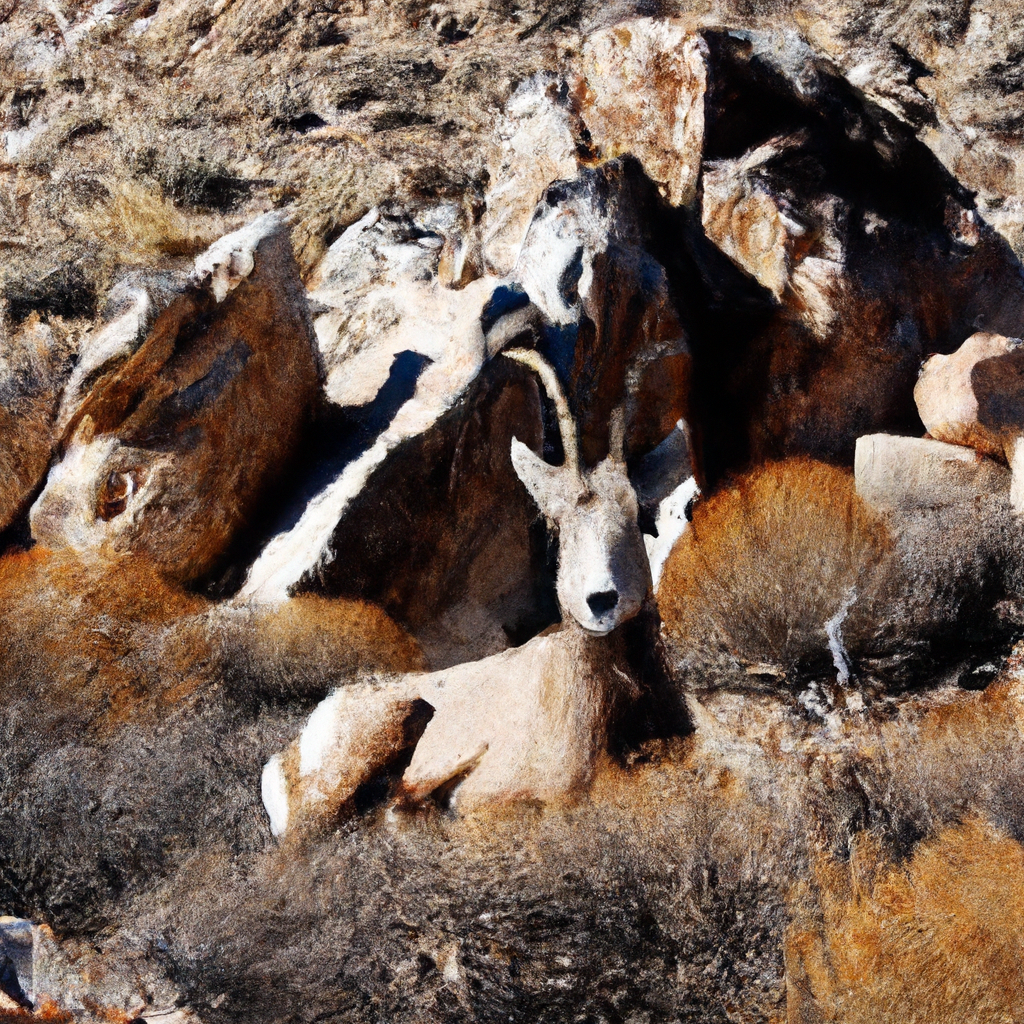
(936, 940)
(766, 563)
(141, 222)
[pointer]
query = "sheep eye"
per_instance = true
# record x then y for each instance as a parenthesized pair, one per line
(114, 496)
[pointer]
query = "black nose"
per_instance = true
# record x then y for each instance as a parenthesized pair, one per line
(603, 602)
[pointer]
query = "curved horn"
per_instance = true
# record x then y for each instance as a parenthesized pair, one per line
(566, 424)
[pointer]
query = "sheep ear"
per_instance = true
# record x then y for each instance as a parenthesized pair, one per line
(548, 485)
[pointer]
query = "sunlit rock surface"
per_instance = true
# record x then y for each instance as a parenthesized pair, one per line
(182, 408)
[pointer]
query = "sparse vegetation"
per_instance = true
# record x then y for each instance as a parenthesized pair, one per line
(767, 563)
(144, 222)
(936, 939)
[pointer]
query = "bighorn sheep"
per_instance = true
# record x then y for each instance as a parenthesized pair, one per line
(529, 723)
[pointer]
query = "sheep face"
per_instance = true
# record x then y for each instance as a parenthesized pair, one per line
(603, 572)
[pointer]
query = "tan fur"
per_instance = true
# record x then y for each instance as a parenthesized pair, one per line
(529, 724)
(526, 724)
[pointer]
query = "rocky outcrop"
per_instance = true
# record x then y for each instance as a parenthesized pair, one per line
(185, 375)
(33, 368)
(869, 253)
(951, 395)
(735, 234)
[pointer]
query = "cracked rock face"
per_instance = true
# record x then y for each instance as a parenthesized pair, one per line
(643, 94)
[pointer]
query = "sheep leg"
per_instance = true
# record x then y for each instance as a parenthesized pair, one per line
(350, 736)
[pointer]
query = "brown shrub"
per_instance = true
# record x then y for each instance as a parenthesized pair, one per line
(112, 645)
(937, 939)
(766, 563)
(143, 222)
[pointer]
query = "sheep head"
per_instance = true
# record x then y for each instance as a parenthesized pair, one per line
(603, 572)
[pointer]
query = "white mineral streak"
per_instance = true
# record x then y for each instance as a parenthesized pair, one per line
(274, 793)
(671, 523)
(231, 259)
(833, 630)
(18, 142)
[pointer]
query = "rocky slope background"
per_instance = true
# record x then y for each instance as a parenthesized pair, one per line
(256, 268)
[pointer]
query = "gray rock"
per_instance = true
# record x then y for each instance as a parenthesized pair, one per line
(912, 472)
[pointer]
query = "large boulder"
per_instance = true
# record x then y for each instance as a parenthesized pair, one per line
(972, 396)
(915, 472)
(411, 500)
(186, 375)
(865, 252)
(35, 361)
(642, 94)
(380, 291)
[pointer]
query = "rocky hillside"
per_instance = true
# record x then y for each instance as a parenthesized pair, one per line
(511, 512)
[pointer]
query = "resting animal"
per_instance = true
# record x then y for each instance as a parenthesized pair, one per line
(529, 723)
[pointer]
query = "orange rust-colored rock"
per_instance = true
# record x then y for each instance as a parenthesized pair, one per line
(643, 95)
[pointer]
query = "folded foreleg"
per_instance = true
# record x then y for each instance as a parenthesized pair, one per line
(352, 734)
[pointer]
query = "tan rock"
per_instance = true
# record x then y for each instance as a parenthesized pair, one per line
(535, 143)
(760, 232)
(914, 472)
(950, 404)
(644, 95)
(975, 397)
(183, 408)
